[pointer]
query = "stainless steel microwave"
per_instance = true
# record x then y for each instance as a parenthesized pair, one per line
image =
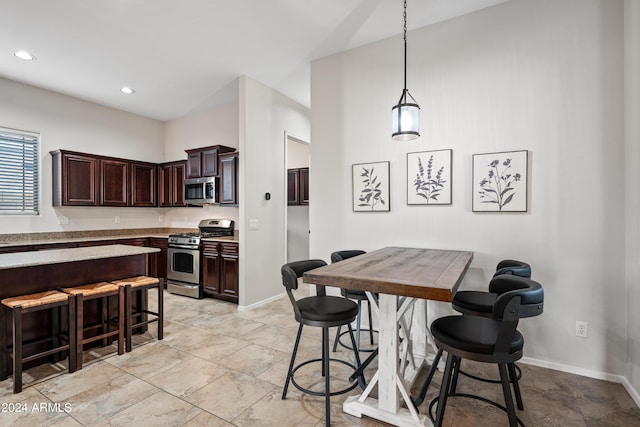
(201, 191)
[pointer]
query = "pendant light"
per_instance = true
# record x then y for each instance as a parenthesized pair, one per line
(405, 116)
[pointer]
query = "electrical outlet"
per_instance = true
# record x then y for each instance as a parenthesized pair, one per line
(581, 329)
(117, 219)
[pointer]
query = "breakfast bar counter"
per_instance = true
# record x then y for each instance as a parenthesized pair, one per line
(57, 256)
(30, 272)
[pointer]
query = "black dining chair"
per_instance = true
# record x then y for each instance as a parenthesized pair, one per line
(484, 339)
(322, 311)
(480, 303)
(357, 296)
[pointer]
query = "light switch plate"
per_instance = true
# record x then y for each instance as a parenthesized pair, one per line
(254, 224)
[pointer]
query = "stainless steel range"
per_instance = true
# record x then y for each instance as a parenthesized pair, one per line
(184, 273)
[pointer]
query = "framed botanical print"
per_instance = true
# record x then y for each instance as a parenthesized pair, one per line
(370, 184)
(429, 177)
(500, 182)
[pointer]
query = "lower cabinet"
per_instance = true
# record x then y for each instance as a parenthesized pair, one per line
(220, 270)
(159, 259)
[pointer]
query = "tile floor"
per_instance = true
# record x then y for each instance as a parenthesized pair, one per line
(220, 367)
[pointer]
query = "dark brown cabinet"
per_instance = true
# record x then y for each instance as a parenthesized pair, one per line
(114, 181)
(229, 178)
(159, 259)
(75, 179)
(298, 186)
(143, 184)
(81, 179)
(171, 184)
(220, 270)
(304, 186)
(204, 161)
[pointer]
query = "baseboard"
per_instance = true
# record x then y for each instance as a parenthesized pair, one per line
(586, 373)
(260, 303)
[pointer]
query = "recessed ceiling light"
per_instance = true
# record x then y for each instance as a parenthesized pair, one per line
(23, 54)
(127, 90)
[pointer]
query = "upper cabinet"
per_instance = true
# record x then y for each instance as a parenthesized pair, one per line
(229, 178)
(75, 179)
(298, 186)
(143, 184)
(114, 182)
(81, 179)
(204, 161)
(171, 183)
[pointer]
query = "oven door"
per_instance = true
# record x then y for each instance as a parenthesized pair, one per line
(183, 265)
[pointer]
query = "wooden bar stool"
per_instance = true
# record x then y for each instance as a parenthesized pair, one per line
(20, 305)
(141, 283)
(100, 290)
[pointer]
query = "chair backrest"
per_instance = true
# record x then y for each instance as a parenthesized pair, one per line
(290, 274)
(342, 255)
(531, 295)
(511, 266)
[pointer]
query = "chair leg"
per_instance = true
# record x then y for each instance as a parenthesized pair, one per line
(335, 342)
(160, 309)
(128, 302)
(17, 349)
(293, 359)
(358, 322)
(54, 331)
(506, 390)
(73, 343)
(456, 372)
(121, 314)
(79, 330)
(4, 332)
(370, 323)
(325, 373)
(361, 380)
(516, 386)
(444, 391)
(425, 386)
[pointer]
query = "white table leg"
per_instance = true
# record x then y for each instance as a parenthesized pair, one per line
(391, 386)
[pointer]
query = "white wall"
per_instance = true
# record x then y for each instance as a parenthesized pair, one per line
(73, 124)
(538, 75)
(215, 126)
(632, 198)
(265, 116)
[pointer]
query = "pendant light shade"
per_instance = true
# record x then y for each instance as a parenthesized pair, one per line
(405, 116)
(405, 119)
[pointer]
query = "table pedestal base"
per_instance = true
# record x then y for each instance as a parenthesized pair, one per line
(369, 407)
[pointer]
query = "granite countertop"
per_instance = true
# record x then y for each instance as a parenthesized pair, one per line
(92, 236)
(58, 256)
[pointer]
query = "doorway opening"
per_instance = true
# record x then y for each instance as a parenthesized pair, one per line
(297, 216)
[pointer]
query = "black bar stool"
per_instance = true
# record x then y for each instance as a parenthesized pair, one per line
(320, 311)
(21, 305)
(357, 296)
(492, 339)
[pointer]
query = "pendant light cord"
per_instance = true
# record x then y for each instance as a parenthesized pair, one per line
(405, 45)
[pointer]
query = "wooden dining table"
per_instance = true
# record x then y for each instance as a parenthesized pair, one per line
(392, 273)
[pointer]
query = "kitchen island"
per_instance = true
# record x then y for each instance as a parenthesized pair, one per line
(37, 271)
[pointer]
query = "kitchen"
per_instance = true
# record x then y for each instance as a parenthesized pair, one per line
(478, 120)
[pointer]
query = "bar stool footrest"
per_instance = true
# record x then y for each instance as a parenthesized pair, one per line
(322, 393)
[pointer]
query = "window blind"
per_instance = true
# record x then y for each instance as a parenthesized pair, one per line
(19, 153)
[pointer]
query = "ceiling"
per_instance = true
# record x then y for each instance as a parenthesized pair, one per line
(185, 56)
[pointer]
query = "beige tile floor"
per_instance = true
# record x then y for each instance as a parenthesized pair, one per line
(220, 367)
